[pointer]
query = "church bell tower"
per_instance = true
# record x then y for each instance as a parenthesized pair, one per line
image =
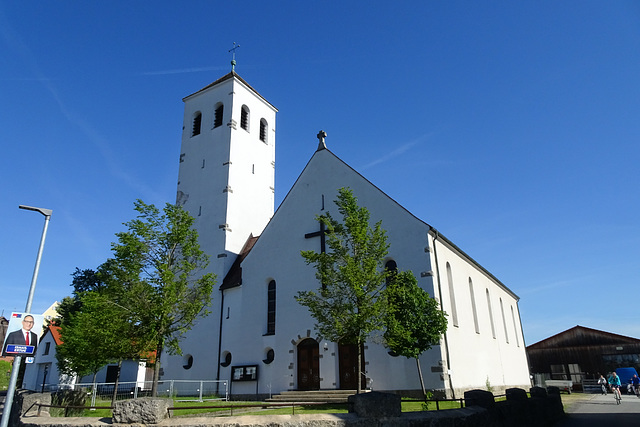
(226, 181)
(226, 176)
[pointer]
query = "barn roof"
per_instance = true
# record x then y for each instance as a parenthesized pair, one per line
(582, 336)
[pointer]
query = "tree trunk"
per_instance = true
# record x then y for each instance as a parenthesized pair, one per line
(424, 393)
(115, 386)
(359, 379)
(156, 371)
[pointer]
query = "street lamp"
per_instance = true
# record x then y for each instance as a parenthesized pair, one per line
(18, 359)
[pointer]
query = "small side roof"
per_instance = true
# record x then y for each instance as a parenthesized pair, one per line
(234, 276)
(55, 334)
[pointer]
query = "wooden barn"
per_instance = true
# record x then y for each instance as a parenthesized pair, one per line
(582, 353)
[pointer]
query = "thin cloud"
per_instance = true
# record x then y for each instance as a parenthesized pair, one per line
(553, 285)
(183, 71)
(14, 41)
(398, 151)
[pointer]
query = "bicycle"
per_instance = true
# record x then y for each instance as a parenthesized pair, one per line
(616, 394)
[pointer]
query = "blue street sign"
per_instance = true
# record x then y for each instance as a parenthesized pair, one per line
(20, 349)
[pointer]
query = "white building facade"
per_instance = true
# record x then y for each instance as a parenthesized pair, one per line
(258, 337)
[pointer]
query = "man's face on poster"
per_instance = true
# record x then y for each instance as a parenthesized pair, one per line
(27, 323)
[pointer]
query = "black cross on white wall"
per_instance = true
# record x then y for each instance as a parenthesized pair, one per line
(322, 233)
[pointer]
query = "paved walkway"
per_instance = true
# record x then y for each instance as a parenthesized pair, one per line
(601, 411)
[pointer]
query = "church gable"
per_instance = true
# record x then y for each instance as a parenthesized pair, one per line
(314, 193)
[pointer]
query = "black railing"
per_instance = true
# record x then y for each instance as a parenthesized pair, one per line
(256, 405)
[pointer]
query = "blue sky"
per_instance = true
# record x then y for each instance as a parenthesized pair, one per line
(511, 127)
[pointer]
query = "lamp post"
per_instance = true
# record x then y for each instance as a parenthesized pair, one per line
(18, 359)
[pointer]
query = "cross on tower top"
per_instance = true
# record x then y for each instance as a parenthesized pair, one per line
(233, 55)
(321, 136)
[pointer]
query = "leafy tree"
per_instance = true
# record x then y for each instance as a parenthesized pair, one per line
(86, 345)
(349, 304)
(413, 320)
(97, 333)
(160, 261)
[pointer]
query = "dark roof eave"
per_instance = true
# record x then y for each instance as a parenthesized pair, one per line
(226, 77)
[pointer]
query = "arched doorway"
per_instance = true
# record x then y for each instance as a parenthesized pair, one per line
(348, 367)
(308, 365)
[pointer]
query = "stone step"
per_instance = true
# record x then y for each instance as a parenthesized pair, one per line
(313, 396)
(318, 399)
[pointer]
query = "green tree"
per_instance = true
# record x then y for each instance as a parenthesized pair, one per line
(98, 332)
(160, 261)
(86, 344)
(413, 319)
(349, 304)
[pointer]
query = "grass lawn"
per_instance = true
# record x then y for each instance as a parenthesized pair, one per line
(196, 408)
(5, 373)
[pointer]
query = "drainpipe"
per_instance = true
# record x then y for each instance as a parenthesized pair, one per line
(446, 342)
(220, 341)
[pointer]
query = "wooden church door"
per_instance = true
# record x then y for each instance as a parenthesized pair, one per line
(308, 365)
(348, 367)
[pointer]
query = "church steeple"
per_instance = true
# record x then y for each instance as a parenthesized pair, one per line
(226, 174)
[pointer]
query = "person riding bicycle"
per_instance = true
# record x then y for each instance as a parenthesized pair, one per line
(635, 383)
(614, 383)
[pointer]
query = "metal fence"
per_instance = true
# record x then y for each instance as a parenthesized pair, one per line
(182, 390)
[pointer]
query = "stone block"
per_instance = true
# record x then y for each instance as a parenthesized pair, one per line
(146, 410)
(27, 403)
(516, 394)
(553, 391)
(538, 392)
(480, 398)
(24, 405)
(375, 405)
(70, 398)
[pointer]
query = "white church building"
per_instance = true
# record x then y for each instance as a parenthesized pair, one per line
(257, 336)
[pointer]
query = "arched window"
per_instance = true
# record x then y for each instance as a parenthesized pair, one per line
(473, 307)
(515, 328)
(392, 267)
(226, 359)
(187, 361)
(493, 327)
(269, 356)
(271, 308)
(504, 322)
(244, 118)
(218, 112)
(452, 297)
(263, 130)
(197, 124)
